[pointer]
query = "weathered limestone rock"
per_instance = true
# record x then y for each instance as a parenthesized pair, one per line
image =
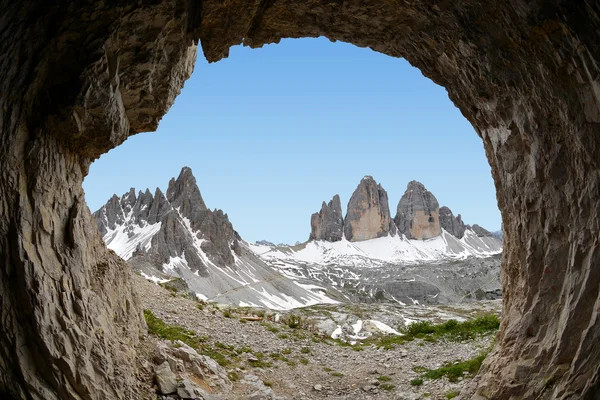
(183, 205)
(76, 81)
(165, 378)
(328, 224)
(453, 225)
(368, 213)
(418, 213)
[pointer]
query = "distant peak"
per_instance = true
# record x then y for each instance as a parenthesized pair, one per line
(415, 185)
(185, 174)
(368, 178)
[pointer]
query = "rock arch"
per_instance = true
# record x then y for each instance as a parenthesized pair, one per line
(77, 79)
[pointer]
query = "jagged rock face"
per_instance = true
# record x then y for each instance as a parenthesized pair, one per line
(328, 224)
(418, 213)
(453, 225)
(182, 216)
(368, 213)
(77, 81)
(481, 232)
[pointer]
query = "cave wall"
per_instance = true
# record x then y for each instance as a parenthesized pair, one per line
(79, 78)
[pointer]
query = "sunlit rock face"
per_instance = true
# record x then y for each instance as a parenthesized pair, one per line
(368, 212)
(418, 213)
(77, 81)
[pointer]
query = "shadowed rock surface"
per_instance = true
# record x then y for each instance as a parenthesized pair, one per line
(368, 212)
(77, 81)
(328, 224)
(454, 225)
(418, 213)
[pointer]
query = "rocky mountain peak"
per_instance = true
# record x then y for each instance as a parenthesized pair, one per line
(183, 193)
(480, 231)
(166, 227)
(417, 215)
(328, 223)
(453, 225)
(368, 213)
(416, 185)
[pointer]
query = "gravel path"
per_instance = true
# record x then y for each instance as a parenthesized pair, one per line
(308, 368)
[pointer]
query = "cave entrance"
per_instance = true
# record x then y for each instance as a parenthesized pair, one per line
(77, 81)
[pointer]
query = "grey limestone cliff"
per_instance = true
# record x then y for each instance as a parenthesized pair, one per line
(453, 225)
(328, 224)
(418, 213)
(368, 214)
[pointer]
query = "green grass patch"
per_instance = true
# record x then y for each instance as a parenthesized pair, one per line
(416, 382)
(452, 394)
(384, 378)
(233, 376)
(387, 386)
(337, 374)
(158, 327)
(452, 329)
(455, 370)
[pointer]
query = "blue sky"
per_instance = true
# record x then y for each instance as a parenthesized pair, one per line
(270, 133)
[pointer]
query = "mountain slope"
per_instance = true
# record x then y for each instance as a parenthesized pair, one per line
(177, 235)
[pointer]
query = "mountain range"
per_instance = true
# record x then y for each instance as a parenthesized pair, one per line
(176, 235)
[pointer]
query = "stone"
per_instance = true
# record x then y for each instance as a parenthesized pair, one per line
(318, 387)
(328, 224)
(165, 378)
(418, 213)
(187, 390)
(405, 396)
(368, 212)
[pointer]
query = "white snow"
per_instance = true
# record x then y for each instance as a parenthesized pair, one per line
(387, 249)
(337, 332)
(383, 327)
(121, 243)
(357, 326)
(154, 279)
(201, 296)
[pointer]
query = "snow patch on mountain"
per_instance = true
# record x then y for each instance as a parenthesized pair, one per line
(126, 238)
(387, 249)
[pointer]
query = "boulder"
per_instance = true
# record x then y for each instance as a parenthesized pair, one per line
(165, 378)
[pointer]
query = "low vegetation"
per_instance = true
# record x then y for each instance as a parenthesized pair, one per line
(451, 330)
(158, 327)
(458, 369)
(451, 370)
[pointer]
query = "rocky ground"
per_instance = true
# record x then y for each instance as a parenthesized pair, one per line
(268, 360)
